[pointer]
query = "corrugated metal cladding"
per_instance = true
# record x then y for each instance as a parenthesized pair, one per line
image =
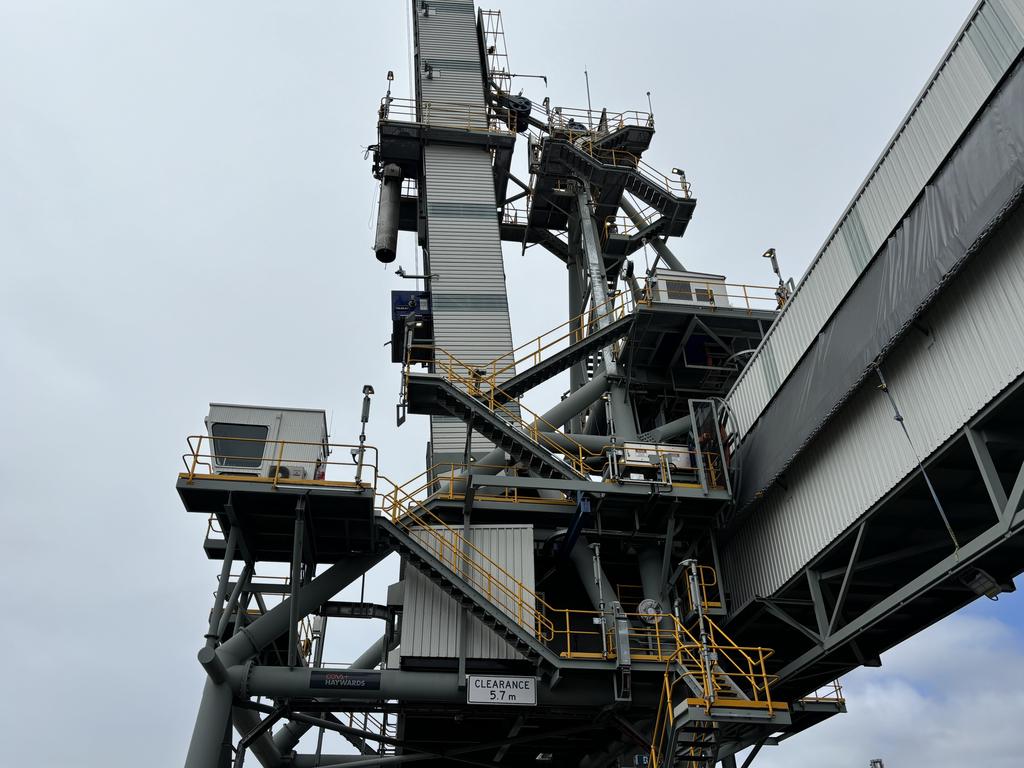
(939, 382)
(449, 58)
(470, 306)
(292, 424)
(989, 42)
(430, 621)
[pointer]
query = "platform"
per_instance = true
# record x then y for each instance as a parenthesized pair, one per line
(339, 516)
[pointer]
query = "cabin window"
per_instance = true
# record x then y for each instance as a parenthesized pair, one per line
(238, 445)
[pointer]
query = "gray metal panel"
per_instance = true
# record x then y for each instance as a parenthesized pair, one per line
(980, 54)
(448, 45)
(431, 618)
(470, 307)
(471, 320)
(975, 350)
(291, 424)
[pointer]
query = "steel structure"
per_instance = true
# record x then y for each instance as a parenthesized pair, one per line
(656, 569)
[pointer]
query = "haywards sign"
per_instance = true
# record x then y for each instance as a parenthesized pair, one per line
(335, 680)
(501, 689)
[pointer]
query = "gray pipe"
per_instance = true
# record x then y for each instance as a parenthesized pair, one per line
(583, 558)
(210, 746)
(576, 403)
(206, 748)
(385, 244)
(268, 627)
(286, 739)
(658, 243)
(282, 682)
(667, 432)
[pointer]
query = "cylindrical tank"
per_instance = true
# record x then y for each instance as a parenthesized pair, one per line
(386, 243)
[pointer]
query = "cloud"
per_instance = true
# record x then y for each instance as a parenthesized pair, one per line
(949, 697)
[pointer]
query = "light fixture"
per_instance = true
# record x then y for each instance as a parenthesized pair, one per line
(983, 584)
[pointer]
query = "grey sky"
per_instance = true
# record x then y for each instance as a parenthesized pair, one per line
(184, 217)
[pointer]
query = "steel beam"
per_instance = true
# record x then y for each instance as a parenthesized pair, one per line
(989, 475)
(950, 565)
(296, 579)
(844, 590)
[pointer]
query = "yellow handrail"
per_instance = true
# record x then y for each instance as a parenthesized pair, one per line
(502, 404)
(617, 306)
(312, 456)
(706, 579)
(468, 561)
(549, 436)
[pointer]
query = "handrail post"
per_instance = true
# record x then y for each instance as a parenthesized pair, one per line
(195, 459)
(280, 454)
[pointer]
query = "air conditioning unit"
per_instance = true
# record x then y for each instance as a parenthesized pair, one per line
(691, 288)
(287, 472)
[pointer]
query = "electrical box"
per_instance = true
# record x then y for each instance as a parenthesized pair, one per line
(258, 441)
(412, 326)
(692, 288)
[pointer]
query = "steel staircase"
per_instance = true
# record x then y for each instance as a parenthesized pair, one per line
(433, 394)
(562, 158)
(505, 626)
(521, 383)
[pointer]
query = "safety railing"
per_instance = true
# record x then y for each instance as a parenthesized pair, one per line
(623, 225)
(466, 560)
(514, 214)
(562, 336)
(510, 410)
(583, 140)
(462, 115)
(679, 288)
(719, 664)
(661, 637)
(596, 122)
(707, 586)
(669, 465)
(480, 384)
(445, 481)
(831, 693)
(279, 462)
(383, 726)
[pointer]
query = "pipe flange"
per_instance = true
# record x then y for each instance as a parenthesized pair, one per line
(243, 686)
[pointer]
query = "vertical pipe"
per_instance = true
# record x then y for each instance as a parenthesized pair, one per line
(293, 616)
(210, 746)
(240, 586)
(621, 411)
(222, 587)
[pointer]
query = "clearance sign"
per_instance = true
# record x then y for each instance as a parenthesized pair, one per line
(501, 689)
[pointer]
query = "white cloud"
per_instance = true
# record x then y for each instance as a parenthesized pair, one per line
(950, 697)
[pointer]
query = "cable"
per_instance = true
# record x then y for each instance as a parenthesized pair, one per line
(931, 489)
